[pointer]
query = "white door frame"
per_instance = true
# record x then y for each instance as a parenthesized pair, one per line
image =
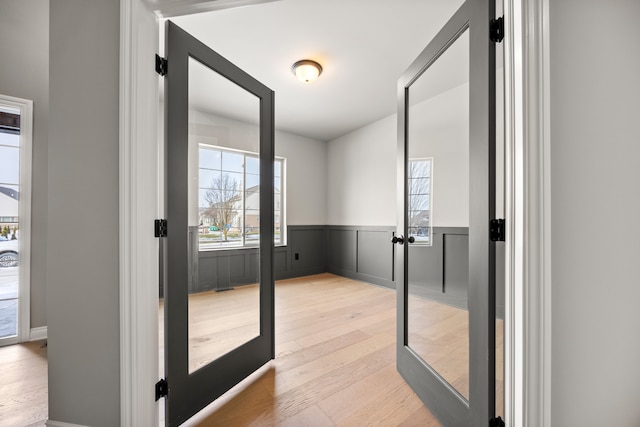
(527, 209)
(527, 206)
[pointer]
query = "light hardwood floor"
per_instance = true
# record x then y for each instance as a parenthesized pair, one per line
(23, 385)
(335, 362)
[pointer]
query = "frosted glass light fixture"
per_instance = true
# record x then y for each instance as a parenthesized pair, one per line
(306, 70)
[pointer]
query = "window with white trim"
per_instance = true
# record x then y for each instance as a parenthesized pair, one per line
(419, 199)
(16, 130)
(229, 198)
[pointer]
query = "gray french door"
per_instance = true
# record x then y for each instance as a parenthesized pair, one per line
(444, 255)
(220, 225)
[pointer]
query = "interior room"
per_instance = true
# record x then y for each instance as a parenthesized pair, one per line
(93, 280)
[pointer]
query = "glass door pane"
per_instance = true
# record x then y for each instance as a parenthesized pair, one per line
(438, 214)
(224, 208)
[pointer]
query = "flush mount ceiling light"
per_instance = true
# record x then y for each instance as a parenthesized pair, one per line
(306, 70)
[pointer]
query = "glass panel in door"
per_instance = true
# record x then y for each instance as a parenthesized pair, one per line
(224, 152)
(218, 289)
(438, 214)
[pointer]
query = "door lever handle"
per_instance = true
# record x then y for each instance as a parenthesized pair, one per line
(397, 239)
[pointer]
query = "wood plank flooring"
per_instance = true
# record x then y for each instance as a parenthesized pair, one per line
(334, 366)
(23, 385)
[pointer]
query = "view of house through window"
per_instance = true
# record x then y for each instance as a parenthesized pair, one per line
(420, 200)
(9, 230)
(229, 198)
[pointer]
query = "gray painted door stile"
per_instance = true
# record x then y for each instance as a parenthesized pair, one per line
(192, 390)
(444, 399)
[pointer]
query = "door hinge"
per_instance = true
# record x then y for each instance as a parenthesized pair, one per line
(496, 30)
(160, 226)
(162, 389)
(496, 230)
(161, 65)
(496, 422)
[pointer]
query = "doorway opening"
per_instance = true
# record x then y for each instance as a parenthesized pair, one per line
(187, 28)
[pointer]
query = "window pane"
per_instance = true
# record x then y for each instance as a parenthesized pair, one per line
(232, 162)
(419, 202)
(208, 178)
(420, 168)
(419, 199)
(228, 183)
(252, 236)
(252, 218)
(9, 162)
(253, 165)
(277, 202)
(252, 181)
(420, 186)
(210, 158)
(9, 139)
(252, 200)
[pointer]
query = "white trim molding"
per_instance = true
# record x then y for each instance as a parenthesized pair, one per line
(38, 333)
(138, 208)
(528, 294)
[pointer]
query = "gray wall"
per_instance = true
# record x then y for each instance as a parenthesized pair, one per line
(361, 253)
(82, 247)
(24, 73)
(595, 147)
(302, 256)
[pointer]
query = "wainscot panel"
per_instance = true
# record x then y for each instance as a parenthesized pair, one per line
(226, 268)
(440, 272)
(306, 251)
(362, 253)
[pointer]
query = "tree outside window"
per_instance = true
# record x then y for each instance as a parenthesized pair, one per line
(229, 201)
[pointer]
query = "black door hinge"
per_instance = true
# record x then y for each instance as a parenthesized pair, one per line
(160, 226)
(496, 422)
(496, 30)
(162, 389)
(496, 230)
(161, 65)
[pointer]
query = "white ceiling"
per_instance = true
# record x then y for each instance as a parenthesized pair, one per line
(363, 46)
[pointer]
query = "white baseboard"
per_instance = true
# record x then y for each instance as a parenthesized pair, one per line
(51, 423)
(38, 333)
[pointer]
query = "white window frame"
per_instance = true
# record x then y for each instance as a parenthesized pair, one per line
(25, 107)
(243, 242)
